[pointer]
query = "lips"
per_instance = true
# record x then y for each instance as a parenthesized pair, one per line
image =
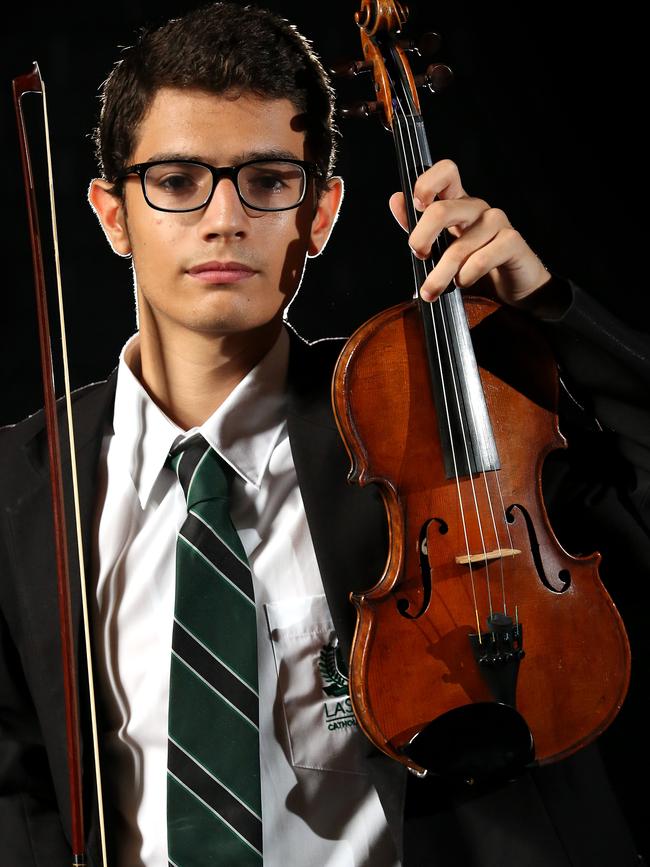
(221, 272)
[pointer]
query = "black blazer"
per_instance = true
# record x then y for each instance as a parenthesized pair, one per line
(556, 816)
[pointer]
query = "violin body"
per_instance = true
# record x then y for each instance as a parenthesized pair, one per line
(429, 656)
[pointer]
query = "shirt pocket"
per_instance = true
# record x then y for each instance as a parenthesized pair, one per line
(312, 682)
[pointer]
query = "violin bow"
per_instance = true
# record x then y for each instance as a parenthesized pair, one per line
(32, 82)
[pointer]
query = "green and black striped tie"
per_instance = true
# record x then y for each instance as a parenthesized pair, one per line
(214, 814)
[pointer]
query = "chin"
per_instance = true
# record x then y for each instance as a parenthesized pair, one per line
(234, 326)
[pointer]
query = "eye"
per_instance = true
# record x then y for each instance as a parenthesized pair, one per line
(275, 184)
(173, 181)
(267, 181)
(177, 181)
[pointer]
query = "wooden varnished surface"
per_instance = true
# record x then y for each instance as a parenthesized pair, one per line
(404, 672)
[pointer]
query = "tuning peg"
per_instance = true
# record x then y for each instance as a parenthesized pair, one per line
(426, 45)
(436, 77)
(361, 110)
(350, 68)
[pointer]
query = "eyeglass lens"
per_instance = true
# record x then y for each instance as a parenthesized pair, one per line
(272, 185)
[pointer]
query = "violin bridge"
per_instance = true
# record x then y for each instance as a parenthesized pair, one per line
(497, 554)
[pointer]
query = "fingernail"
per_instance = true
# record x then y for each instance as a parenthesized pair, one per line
(418, 204)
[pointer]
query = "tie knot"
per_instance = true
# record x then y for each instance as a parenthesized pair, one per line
(200, 470)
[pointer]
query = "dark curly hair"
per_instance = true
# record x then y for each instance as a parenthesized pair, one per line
(218, 48)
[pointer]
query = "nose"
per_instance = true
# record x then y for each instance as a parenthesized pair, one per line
(224, 215)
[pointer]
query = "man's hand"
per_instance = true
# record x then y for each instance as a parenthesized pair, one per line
(486, 243)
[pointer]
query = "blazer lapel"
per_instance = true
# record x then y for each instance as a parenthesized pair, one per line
(30, 522)
(347, 525)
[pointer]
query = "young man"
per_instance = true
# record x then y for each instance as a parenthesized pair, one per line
(216, 155)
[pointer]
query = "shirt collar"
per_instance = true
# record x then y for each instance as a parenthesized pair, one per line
(243, 430)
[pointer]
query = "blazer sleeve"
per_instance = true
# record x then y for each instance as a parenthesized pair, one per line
(605, 374)
(30, 826)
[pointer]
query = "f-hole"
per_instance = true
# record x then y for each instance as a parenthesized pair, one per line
(563, 576)
(425, 570)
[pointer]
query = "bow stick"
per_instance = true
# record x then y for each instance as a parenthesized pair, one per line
(33, 83)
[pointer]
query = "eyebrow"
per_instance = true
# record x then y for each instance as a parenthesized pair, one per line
(244, 157)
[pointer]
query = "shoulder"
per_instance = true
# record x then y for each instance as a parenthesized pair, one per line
(24, 445)
(31, 426)
(311, 366)
(313, 356)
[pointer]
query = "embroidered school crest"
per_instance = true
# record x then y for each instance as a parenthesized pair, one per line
(332, 666)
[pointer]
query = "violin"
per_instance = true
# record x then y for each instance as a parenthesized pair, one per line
(484, 648)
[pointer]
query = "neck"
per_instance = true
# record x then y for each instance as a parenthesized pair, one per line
(190, 374)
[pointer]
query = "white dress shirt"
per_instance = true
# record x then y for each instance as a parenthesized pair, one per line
(318, 806)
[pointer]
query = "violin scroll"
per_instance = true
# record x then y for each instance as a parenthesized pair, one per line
(385, 51)
(381, 15)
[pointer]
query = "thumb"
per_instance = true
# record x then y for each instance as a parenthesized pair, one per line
(398, 209)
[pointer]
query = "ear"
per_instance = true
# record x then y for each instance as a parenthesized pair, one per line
(327, 210)
(111, 213)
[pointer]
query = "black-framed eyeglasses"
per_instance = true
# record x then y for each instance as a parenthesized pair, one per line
(180, 186)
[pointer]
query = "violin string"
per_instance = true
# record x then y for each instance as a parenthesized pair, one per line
(75, 489)
(410, 184)
(470, 476)
(484, 473)
(460, 414)
(494, 523)
(409, 191)
(510, 542)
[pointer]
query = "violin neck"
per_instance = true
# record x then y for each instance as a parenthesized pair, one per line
(463, 420)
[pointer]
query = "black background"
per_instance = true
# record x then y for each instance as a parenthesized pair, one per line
(542, 119)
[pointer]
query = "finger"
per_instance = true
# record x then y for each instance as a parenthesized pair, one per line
(398, 209)
(460, 213)
(489, 244)
(441, 180)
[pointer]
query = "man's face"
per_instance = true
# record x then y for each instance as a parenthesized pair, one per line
(170, 250)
